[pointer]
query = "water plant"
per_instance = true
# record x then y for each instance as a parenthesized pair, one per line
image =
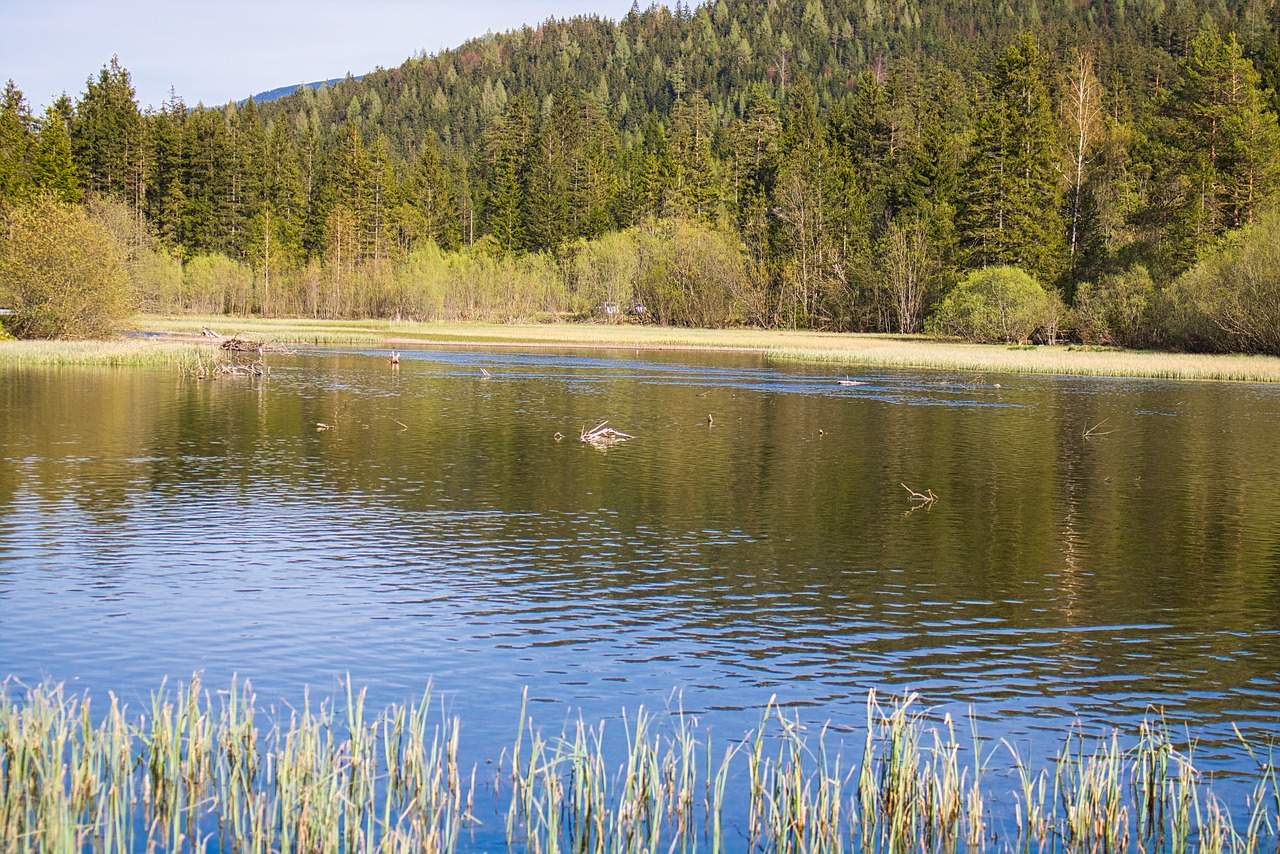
(201, 771)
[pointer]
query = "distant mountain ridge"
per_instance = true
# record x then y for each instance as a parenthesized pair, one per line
(282, 91)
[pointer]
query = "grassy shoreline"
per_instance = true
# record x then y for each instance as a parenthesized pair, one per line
(844, 353)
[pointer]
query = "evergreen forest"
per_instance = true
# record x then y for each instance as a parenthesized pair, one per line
(1103, 171)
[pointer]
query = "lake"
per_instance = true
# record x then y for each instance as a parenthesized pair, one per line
(1099, 550)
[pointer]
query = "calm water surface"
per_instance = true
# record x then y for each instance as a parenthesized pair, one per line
(152, 527)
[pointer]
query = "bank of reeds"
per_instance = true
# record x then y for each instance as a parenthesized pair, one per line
(202, 771)
(843, 352)
(116, 353)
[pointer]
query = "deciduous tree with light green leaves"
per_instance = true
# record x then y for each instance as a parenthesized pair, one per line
(61, 272)
(998, 305)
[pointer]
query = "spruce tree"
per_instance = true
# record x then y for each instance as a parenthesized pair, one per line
(168, 196)
(695, 192)
(756, 149)
(108, 136)
(1011, 212)
(506, 164)
(17, 139)
(207, 219)
(432, 210)
(547, 210)
(52, 167)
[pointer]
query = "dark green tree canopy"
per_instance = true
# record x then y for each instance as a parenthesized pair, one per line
(863, 158)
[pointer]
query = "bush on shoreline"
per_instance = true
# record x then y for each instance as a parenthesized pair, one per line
(998, 305)
(62, 273)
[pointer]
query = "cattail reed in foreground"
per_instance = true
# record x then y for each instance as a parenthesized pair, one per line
(202, 771)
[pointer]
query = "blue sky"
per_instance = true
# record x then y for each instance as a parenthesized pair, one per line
(214, 52)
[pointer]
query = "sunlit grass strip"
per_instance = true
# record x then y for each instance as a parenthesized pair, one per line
(843, 352)
(127, 352)
(195, 771)
(1057, 361)
(281, 331)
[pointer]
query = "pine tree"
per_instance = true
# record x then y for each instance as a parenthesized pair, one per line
(1217, 151)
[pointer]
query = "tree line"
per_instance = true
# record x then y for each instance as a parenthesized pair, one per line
(806, 164)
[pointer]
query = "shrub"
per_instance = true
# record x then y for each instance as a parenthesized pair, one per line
(997, 305)
(692, 275)
(604, 272)
(216, 284)
(1120, 310)
(63, 273)
(1236, 291)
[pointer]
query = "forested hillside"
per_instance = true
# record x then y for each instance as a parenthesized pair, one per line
(838, 164)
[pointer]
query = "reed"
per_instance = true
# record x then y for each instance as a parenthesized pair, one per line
(843, 352)
(198, 771)
(188, 357)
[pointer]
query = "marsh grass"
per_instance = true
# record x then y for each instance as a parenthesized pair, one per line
(117, 353)
(196, 771)
(841, 351)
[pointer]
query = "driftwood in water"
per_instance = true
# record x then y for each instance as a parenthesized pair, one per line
(252, 369)
(239, 345)
(926, 498)
(1092, 432)
(603, 436)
